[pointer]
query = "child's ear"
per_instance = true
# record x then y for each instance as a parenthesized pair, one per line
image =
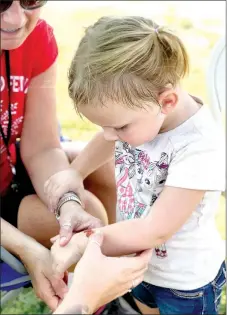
(168, 101)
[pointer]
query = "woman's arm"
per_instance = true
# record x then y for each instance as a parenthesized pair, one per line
(17, 242)
(37, 261)
(41, 151)
(42, 154)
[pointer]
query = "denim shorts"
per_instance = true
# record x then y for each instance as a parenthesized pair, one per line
(204, 300)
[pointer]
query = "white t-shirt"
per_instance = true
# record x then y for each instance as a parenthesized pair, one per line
(190, 156)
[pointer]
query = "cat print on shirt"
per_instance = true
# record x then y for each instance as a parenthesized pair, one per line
(139, 182)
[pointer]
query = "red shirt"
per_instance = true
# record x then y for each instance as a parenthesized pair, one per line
(34, 56)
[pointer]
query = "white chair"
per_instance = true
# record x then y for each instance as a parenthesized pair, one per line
(216, 80)
(14, 276)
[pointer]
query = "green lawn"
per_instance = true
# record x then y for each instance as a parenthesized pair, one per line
(199, 42)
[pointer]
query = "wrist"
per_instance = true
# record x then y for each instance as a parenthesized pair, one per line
(66, 199)
(77, 301)
(29, 248)
(79, 168)
(70, 306)
(70, 205)
(80, 296)
(15, 241)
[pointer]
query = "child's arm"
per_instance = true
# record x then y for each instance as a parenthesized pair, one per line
(96, 153)
(170, 211)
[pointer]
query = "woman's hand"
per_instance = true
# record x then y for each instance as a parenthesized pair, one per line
(37, 260)
(47, 286)
(74, 218)
(99, 279)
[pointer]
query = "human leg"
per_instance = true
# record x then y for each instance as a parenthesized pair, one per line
(35, 220)
(204, 300)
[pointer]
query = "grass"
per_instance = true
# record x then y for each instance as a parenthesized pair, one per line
(78, 129)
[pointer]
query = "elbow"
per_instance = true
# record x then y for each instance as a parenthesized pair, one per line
(26, 150)
(26, 155)
(162, 236)
(157, 235)
(161, 240)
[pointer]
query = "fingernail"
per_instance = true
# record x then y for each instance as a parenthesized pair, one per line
(62, 240)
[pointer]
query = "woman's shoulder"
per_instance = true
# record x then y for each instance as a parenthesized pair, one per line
(42, 30)
(42, 33)
(41, 46)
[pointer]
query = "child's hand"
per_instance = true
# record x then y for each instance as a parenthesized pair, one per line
(62, 182)
(65, 257)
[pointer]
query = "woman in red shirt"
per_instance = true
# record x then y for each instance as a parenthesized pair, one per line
(28, 112)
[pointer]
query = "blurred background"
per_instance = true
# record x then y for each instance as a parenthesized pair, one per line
(200, 24)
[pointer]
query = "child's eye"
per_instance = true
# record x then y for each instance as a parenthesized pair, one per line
(122, 128)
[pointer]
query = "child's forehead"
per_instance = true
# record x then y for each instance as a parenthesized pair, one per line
(110, 114)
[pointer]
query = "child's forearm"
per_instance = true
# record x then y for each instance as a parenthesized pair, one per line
(168, 214)
(128, 237)
(96, 153)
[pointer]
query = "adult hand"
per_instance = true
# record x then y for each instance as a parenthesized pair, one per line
(47, 286)
(99, 279)
(75, 219)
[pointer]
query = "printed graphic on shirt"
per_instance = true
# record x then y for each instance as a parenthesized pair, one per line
(18, 84)
(161, 251)
(139, 182)
(5, 119)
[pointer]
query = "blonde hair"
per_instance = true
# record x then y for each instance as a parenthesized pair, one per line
(127, 60)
